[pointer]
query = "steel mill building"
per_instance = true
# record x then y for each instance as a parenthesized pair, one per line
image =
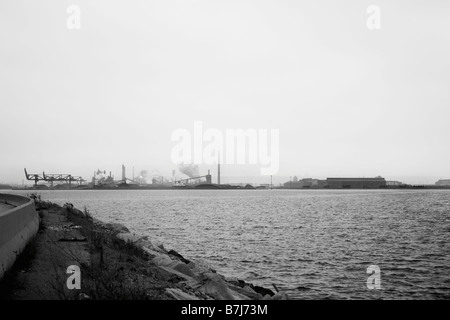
(337, 183)
(356, 183)
(443, 182)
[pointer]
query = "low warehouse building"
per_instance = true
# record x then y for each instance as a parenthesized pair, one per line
(443, 182)
(356, 183)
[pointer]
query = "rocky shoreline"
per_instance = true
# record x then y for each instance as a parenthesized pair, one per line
(197, 275)
(114, 264)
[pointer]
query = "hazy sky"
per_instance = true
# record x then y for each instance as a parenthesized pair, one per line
(348, 101)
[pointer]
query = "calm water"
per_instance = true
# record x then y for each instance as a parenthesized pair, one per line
(315, 244)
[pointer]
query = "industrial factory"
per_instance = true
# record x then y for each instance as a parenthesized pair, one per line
(102, 179)
(357, 183)
(143, 180)
(193, 179)
(337, 183)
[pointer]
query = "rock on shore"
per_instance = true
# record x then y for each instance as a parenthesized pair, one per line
(198, 275)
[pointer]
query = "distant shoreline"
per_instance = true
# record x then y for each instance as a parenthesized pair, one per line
(222, 187)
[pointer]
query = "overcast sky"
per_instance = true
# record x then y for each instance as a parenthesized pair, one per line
(348, 101)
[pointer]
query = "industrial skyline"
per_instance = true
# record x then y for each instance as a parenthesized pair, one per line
(181, 173)
(190, 175)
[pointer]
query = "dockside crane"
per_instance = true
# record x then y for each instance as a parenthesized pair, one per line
(59, 177)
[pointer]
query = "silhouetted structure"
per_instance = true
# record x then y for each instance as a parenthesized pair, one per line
(305, 184)
(58, 177)
(194, 180)
(443, 182)
(356, 183)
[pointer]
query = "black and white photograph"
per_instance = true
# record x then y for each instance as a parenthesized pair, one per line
(224, 157)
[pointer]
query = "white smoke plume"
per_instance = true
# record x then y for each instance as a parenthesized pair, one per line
(144, 174)
(191, 170)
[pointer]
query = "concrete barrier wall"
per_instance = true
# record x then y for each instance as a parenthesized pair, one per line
(18, 226)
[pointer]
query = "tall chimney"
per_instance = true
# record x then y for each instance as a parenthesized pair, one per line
(123, 173)
(218, 169)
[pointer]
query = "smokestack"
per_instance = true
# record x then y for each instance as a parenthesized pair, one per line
(208, 177)
(218, 169)
(123, 173)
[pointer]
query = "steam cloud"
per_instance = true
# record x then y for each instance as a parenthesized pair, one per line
(143, 175)
(191, 170)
